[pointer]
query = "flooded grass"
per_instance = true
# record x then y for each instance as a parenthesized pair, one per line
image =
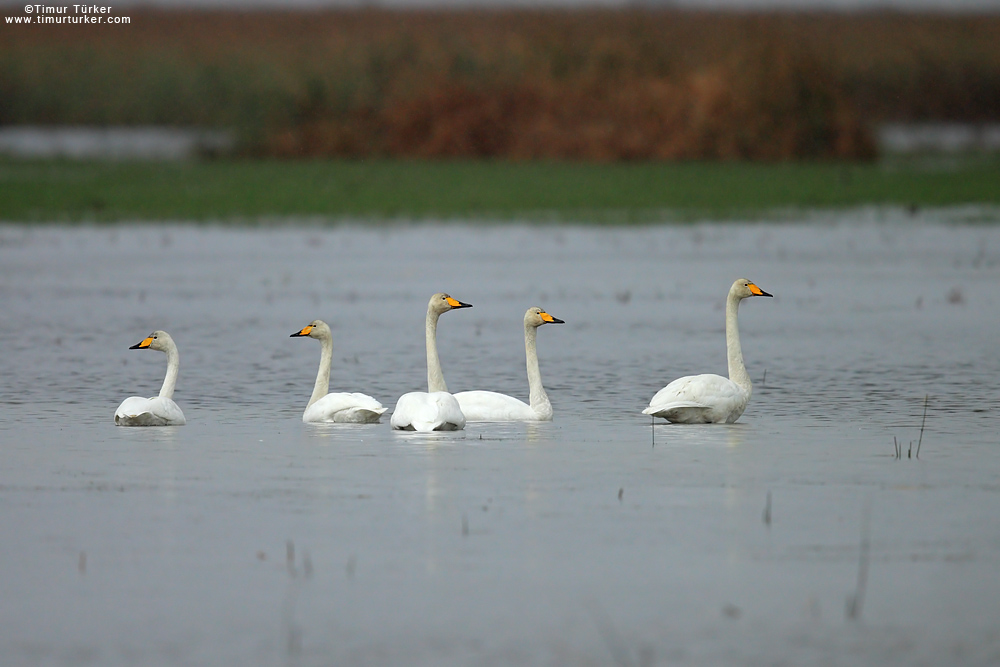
(253, 191)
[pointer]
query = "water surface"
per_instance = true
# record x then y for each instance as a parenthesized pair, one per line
(247, 537)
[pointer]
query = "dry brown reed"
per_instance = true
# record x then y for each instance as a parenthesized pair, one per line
(629, 84)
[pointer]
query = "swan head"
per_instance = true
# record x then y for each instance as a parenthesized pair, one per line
(744, 288)
(442, 303)
(315, 329)
(158, 340)
(536, 317)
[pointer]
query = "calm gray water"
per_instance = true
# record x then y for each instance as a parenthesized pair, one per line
(249, 538)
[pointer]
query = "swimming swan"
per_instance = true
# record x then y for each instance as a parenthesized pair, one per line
(338, 407)
(159, 410)
(490, 406)
(435, 409)
(712, 399)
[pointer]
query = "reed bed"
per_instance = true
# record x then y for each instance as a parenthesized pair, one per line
(599, 85)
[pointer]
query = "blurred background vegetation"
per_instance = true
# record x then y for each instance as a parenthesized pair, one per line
(595, 85)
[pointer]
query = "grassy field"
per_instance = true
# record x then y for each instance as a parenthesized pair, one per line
(234, 191)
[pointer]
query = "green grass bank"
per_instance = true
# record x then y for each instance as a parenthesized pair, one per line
(615, 193)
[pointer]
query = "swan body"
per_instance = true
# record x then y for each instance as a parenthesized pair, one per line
(700, 399)
(491, 406)
(709, 398)
(344, 408)
(338, 407)
(435, 409)
(159, 410)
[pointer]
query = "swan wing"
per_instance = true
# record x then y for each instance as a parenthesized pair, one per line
(343, 407)
(156, 411)
(422, 411)
(699, 399)
(491, 406)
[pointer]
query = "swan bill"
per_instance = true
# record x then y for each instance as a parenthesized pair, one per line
(548, 319)
(143, 344)
(756, 291)
(455, 303)
(303, 332)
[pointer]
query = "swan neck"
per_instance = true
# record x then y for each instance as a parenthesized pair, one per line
(173, 366)
(537, 397)
(435, 376)
(737, 369)
(322, 386)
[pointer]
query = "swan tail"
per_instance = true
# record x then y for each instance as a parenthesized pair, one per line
(425, 412)
(143, 419)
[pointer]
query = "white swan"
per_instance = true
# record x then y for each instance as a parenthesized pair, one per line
(338, 407)
(490, 406)
(435, 409)
(712, 399)
(159, 410)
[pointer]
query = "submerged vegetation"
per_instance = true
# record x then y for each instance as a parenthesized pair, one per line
(597, 85)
